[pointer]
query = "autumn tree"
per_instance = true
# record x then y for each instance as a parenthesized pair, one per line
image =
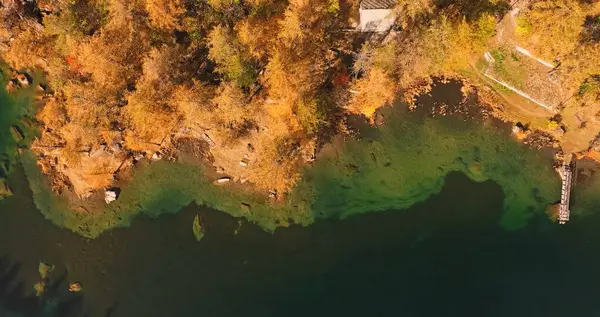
(258, 46)
(310, 114)
(381, 56)
(165, 14)
(160, 106)
(471, 10)
(409, 10)
(372, 91)
(31, 47)
(151, 115)
(234, 114)
(229, 10)
(113, 57)
(554, 26)
(233, 62)
(192, 101)
(442, 46)
(280, 164)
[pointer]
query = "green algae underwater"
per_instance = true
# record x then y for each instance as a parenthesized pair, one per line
(392, 166)
(16, 110)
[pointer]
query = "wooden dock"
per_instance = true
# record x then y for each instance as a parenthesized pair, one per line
(565, 195)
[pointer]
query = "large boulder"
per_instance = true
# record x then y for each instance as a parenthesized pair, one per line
(23, 80)
(11, 86)
(110, 195)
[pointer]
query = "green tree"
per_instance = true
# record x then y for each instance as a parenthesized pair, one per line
(232, 59)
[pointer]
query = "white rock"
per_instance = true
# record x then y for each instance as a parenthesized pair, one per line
(23, 80)
(516, 130)
(223, 180)
(110, 196)
(138, 156)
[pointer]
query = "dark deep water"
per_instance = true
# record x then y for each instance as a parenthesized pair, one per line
(444, 257)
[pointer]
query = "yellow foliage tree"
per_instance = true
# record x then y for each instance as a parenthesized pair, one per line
(192, 102)
(113, 58)
(305, 20)
(372, 91)
(555, 26)
(150, 114)
(280, 164)
(232, 111)
(30, 48)
(408, 10)
(233, 62)
(165, 14)
(258, 46)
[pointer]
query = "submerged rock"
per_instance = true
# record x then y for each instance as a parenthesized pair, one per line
(75, 287)
(17, 133)
(197, 228)
(45, 271)
(4, 189)
(246, 208)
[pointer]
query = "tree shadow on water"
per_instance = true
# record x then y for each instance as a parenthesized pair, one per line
(13, 294)
(17, 297)
(111, 310)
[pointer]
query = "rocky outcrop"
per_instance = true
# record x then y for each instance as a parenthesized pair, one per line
(110, 196)
(18, 80)
(23, 79)
(11, 86)
(83, 171)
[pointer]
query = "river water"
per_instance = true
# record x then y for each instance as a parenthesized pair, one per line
(443, 257)
(456, 253)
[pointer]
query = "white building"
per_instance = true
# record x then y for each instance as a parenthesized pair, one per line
(377, 15)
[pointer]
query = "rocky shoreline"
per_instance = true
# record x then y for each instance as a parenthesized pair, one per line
(96, 201)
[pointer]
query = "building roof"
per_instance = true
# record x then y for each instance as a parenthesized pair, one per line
(377, 4)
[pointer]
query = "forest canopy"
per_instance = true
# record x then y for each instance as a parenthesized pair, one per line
(261, 83)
